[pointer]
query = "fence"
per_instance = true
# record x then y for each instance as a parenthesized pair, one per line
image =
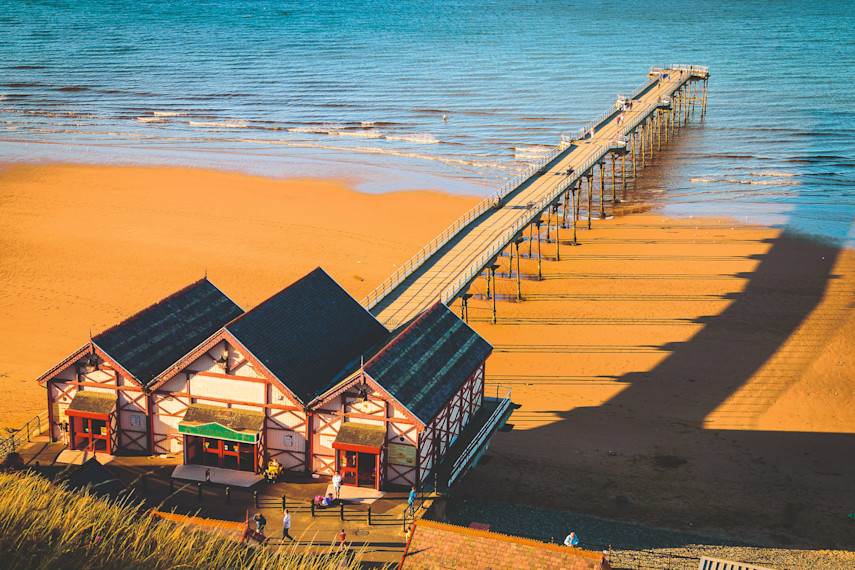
(32, 428)
(443, 238)
(463, 462)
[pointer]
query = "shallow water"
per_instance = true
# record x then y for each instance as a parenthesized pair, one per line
(449, 94)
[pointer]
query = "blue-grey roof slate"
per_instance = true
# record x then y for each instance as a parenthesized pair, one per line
(149, 342)
(308, 333)
(427, 362)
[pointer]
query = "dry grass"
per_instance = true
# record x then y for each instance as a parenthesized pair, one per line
(44, 526)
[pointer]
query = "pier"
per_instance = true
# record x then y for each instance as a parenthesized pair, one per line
(568, 187)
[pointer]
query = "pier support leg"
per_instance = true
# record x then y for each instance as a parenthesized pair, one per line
(539, 267)
(590, 196)
(643, 136)
(493, 276)
(519, 285)
(564, 209)
(623, 174)
(634, 172)
(659, 131)
(557, 241)
(488, 285)
(614, 182)
(576, 192)
(602, 191)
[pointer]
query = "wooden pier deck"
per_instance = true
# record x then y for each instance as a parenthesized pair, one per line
(444, 268)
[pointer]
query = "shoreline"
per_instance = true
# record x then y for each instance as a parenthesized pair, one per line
(704, 314)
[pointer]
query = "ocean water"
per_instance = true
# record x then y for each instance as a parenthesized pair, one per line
(448, 94)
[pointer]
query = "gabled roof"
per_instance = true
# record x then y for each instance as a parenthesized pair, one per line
(307, 333)
(428, 361)
(150, 341)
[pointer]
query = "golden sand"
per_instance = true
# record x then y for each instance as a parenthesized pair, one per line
(707, 357)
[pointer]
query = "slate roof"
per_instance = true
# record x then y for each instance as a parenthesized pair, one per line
(232, 418)
(308, 333)
(150, 341)
(92, 403)
(438, 545)
(427, 362)
(365, 435)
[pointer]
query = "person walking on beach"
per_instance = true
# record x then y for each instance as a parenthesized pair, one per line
(342, 538)
(286, 525)
(572, 540)
(336, 483)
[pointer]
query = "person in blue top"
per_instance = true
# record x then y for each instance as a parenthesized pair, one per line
(572, 540)
(411, 500)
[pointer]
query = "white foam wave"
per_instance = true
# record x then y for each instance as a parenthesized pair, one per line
(220, 124)
(150, 120)
(752, 182)
(167, 114)
(423, 138)
(775, 173)
(533, 149)
(369, 134)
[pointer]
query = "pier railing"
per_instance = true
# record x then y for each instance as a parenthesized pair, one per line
(411, 265)
(508, 234)
(463, 462)
(443, 238)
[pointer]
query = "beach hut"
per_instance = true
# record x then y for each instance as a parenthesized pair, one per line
(98, 397)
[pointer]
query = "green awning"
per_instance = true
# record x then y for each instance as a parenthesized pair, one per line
(222, 423)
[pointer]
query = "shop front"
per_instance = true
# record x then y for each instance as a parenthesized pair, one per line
(92, 422)
(359, 452)
(224, 438)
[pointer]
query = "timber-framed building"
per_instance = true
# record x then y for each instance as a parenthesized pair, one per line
(308, 377)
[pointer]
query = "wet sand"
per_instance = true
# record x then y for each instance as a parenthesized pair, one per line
(670, 371)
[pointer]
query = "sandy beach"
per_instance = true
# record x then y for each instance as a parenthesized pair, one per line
(669, 371)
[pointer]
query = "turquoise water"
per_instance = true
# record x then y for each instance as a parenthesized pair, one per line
(448, 94)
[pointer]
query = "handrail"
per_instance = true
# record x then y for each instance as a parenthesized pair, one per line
(501, 242)
(14, 441)
(411, 265)
(476, 442)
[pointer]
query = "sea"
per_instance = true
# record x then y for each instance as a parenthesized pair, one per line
(455, 95)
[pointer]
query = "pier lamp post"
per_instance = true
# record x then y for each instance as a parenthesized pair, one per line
(517, 243)
(493, 269)
(537, 224)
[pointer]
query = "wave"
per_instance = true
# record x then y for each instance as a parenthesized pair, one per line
(775, 173)
(72, 88)
(753, 182)
(167, 113)
(150, 120)
(423, 138)
(369, 134)
(220, 124)
(534, 149)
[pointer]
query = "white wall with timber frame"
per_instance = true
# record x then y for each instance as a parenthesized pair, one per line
(130, 430)
(450, 422)
(411, 449)
(240, 383)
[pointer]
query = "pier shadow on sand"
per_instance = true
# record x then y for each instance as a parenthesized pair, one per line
(781, 488)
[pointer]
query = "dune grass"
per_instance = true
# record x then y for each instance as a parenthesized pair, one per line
(44, 526)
